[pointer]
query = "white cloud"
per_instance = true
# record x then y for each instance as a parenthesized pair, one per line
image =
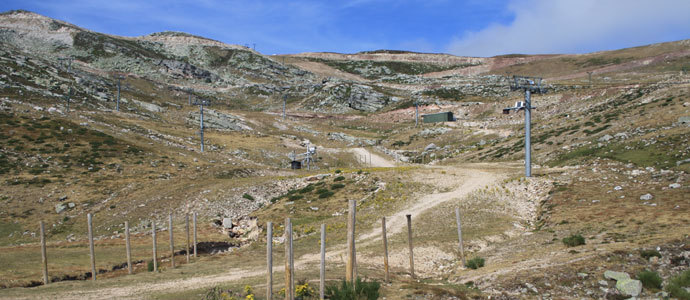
(578, 26)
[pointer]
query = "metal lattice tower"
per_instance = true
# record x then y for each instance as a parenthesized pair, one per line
(529, 85)
(119, 78)
(308, 156)
(201, 104)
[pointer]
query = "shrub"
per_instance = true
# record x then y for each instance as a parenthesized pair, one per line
(337, 171)
(306, 189)
(295, 197)
(677, 284)
(339, 178)
(574, 240)
(646, 254)
(347, 291)
(475, 263)
(149, 266)
(359, 172)
(248, 197)
(303, 290)
(326, 194)
(337, 186)
(321, 191)
(650, 279)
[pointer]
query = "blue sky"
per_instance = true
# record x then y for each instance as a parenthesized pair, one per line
(469, 27)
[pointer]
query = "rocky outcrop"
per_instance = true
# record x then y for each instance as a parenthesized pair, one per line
(214, 119)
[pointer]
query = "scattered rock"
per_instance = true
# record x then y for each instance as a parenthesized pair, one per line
(674, 185)
(227, 223)
(618, 188)
(646, 197)
(684, 120)
(616, 275)
(60, 207)
(603, 283)
(629, 287)
(430, 147)
(605, 138)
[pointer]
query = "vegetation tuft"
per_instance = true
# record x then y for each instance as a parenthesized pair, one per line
(475, 263)
(248, 197)
(677, 286)
(646, 254)
(574, 240)
(650, 279)
(347, 291)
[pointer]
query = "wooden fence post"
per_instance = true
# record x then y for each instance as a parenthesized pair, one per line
(172, 243)
(269, 260)
(322, 270)
(155, 250)
(409, 238)
(128, 248)
(289, 275)
(350, 272)
(462, 250)
(186, 228)
(91, 247)
(195, 234)
(385, 248)
(44, 257)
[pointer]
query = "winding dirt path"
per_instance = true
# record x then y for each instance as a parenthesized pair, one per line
(372, 159)
(463, 180)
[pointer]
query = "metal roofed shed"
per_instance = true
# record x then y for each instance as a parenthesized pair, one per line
(439, 117)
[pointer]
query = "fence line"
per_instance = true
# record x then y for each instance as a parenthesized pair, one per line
(351, 265)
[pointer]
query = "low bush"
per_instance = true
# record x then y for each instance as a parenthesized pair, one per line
(650, 279)
(149, 266)
(339, 178)
(303, 290)
(321, 191)
(326, 194)
(677, 285)
(248, 197)
(306, 189)
(646, 254)
(347, 291)
(574, 240)
(337, 171)
(475, 263)
(337, 186)
(295, 197)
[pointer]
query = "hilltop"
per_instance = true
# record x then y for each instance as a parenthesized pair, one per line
(610, 153)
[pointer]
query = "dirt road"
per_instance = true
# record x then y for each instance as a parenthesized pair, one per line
(371, 159)
(463, 181)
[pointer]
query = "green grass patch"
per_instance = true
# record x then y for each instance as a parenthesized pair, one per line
(677, 284)
(345, 290)
(326, 195)
(475, 263)
(646, 254)
(650, 279)
(574, 240)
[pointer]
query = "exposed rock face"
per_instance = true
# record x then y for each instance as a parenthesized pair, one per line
(217, 120)
(350, 140)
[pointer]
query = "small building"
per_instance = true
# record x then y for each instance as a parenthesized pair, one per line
(439, 117)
